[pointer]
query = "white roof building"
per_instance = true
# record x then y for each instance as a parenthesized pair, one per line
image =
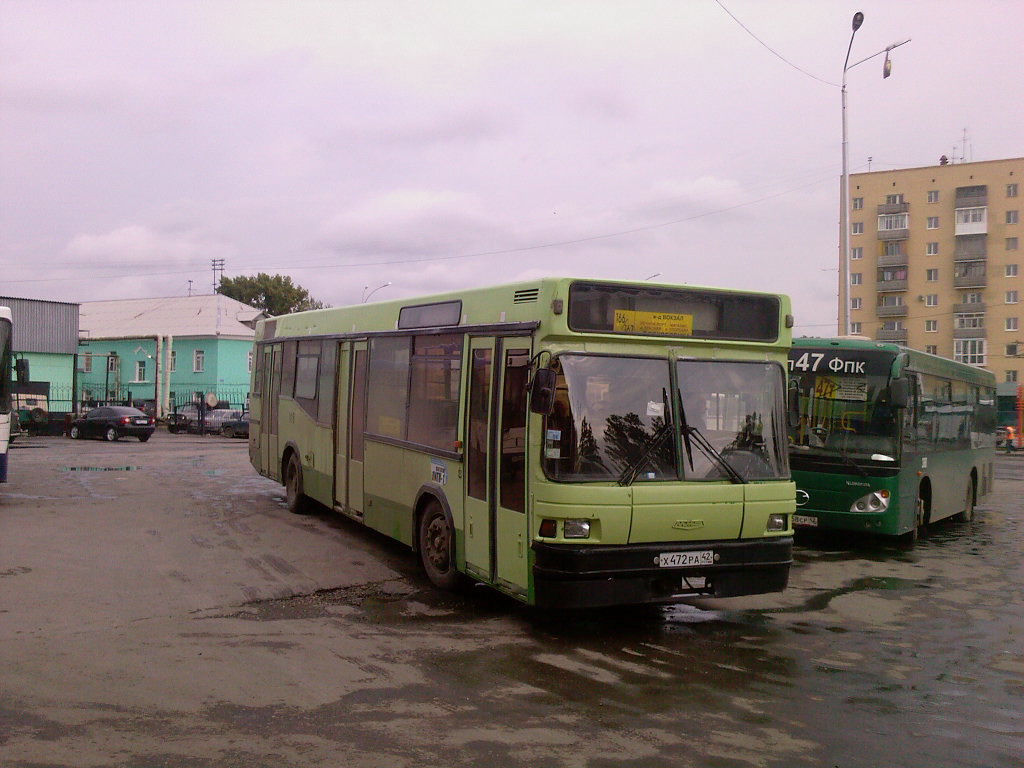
(179, 316)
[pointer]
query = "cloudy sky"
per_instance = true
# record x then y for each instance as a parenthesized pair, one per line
(445, 144)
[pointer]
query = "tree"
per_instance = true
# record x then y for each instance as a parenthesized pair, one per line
(275, 294)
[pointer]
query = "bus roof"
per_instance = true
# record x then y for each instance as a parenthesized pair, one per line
(915, 360)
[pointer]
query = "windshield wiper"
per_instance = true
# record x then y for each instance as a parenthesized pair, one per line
(653, 444)
(709, 451)
(846, 458)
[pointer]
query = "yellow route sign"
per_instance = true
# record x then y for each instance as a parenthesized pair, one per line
(664, 323)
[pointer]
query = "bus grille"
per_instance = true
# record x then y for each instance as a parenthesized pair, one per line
(526, 296)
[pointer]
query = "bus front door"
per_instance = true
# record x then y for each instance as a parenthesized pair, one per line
(353, 503)
(271, 372)
(496, 529)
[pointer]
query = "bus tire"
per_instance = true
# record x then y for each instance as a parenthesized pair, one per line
(909, 539)
(967, 514)
(295, 499)
(436, 544)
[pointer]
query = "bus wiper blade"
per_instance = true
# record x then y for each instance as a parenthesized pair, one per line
(653, 444)
(846, 459)
(705, 446)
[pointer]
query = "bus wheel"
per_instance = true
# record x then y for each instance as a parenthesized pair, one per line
(909, 539)
(295, 500)
(436, 543)
(967, 514)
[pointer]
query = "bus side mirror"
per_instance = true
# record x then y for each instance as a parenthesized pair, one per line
(793, 407)
(899, 393)
(542, 391)
(21, 369)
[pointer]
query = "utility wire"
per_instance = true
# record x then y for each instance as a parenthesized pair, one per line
(772, 50)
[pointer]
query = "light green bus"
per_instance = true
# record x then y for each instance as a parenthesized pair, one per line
(888, 439)
(572, 443)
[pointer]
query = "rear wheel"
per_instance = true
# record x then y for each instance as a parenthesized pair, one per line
(75, 433)
(143, 438)
(436, 544)
(229, 432)
(110, 434)
(294, 497)
(967, 514)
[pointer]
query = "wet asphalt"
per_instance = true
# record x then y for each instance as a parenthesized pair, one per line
(160, 607)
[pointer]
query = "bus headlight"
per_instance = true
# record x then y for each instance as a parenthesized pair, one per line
(876, 501)
(776, 522)
(576, 529)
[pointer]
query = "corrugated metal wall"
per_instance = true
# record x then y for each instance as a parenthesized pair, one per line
(43, 326)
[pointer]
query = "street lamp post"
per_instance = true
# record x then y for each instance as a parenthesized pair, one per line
(366, 296)
(844, 193)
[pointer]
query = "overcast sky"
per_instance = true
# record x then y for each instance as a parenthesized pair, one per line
(438, 145)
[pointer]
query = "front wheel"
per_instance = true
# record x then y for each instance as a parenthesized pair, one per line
(228, 432)
(967, 514)
(75, 433)
(436, 544)
(295, 499)
(110, 434)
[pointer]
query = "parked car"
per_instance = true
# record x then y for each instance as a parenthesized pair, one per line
(236, 427)
(186, 419)
(111, 422)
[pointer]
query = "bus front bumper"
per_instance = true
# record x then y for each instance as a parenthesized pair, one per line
(571, 576)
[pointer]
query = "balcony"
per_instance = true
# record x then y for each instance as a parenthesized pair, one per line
(962, 308)
(972, 197)
(885, 286)
(971, 248)
(970, 281)
(892, 260)
(898, 310)
(900, 335)
(968, 333)
(885, 208)
(886, 235)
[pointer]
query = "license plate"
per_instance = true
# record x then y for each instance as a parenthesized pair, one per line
(807, 520)
(683, 559)
(142, 421)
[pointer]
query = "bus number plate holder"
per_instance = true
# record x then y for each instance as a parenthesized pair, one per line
(684, 559)
(805, 520)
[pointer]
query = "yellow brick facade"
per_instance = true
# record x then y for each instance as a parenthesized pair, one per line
(938, 263)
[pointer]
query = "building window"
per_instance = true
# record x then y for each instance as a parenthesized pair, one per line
(140, 370)
(855, 327)
(969, 320)
(970, 351)
(1011, 297)
(931, 249)
(888, 222)
(856, 278)
(1011, 324)
(112, 362)
(858, 228)
(856, 303)
(1011, 243)
(893, 199)
(894, 248)
(931, 349)
(933, 222)
(931, 275)
(87, 362)
(858, 203)
(1011, 377)
(1011, 190)
(890, 300)
(889, 274)
(857, 253)
(249, 362)
(1011, 217)
(1011, 350)
(970, 298)
(198, 361)
(1010, 270)
(931, 300)
(931, 326)
(174, 361)
(933, 196)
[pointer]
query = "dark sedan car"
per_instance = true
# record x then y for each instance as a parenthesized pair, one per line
(111, 422)
(236, 427)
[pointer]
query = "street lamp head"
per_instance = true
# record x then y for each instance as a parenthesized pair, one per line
(858, 19)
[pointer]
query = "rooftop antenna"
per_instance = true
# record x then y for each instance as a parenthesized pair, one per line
(218, 266)
(189, 287)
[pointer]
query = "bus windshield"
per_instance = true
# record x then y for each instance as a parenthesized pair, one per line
(616, 414)
(844, 409)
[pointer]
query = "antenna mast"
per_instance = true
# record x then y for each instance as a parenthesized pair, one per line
(218, 266)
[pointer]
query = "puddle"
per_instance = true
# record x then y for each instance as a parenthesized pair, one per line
(100, 469)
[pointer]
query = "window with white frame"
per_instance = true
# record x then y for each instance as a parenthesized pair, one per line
(856, 278)
(856, 303)
(893, 325)
(87, 362)
(1012, 349)
(857, 253)
(1011, 217)
(890, 299)
(1011, 243)
(174, 361)
(1011, 297)
(894, 248)
(931, 275)
(971, 215)
(1011, 190)
(140, 370)
(931, 300)
(857, 228)
(931, 326)
(931, 249)
(1011, 324)
(858, 203)
(1010, 270)
(933, 222)
(933, 196)
(198, 361)
(855, 327)
(112, 362)
(931, 349)
(971, 297)
(894, 199)
(969, 320)
(970, 351)
(1011, 377)
(888, 222)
